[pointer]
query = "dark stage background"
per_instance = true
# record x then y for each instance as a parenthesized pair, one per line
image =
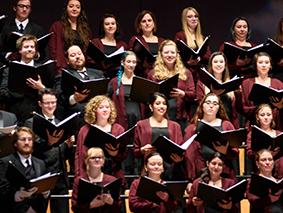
(216, 15)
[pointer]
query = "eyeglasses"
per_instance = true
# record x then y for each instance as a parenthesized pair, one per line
(49, 103)
(96, 157)
(214, 103)
(25, 139)
(22, 6)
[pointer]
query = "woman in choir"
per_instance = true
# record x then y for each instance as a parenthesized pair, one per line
(193, 37)
(128, 112)
(100, 111)
(211, 175)
(273, 201)
(108, 42)
(93, 162)
(148, 130)
(153, 167)
(264, 120)
(71, 29)
(146, 26)
(211, 111)
(168, 63)
(218, 67)
(241, 32)
(262, 64)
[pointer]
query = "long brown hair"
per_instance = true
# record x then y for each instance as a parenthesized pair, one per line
(83, 29)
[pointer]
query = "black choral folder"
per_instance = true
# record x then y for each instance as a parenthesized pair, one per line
(98, 56)
(208, 134)
(166, 147)
(18, 73)
(87, 191)
(71, 83)
(262, 140)
(232, 51)
(211, 82)
(44, 182)
(98, 137)
(187, 52)
(70, 125)
(262, 94)
(147, 189)
(275, 50)
(143, 88)
(142, 52)
(261, 186)
(212, 194)
(41, 41)
(2, 21)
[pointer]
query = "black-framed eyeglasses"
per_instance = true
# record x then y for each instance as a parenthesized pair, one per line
(22, 6)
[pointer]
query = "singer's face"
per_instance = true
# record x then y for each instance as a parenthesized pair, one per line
(218, 64)
(263, 64)
(76, 58)
(73, 9)
(103, 111)
(265, 117)
(130, 63)
(147, 23)
(154, 165)
(48, 104)
(192, 19)
(22, 9)
(215, 166)
(169, 55)
(28, 50)
(241, 29)
(265, 162)
(24, 144)
(110, 25)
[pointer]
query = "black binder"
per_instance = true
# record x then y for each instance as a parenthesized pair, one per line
(186, 52)
(71, 83)
(44, 182)
(18, 73)
(41, 41)
(274, 50)
(147, 189)
(261, 186)
(232, 51)
(2, 21)
(211, 82)
(143, 88)
(262, 94)
(166, 147)
(262, 140)
(97, 137)
(98, 56)
(70, 125)
(212, 194)
(142, 52)
(208, 134)
(87, 191)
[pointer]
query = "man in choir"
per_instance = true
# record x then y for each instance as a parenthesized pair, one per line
(13, 196)
(20, 23)
(74, 100)
(19, 103)
(53, 155)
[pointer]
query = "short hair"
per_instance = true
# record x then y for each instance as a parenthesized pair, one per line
(46, 91)
(17, 1)
(140, 17)
(90, 153)
(27, 37)
(23, 129)
(258, 153)
(240, 18)
(92, 105)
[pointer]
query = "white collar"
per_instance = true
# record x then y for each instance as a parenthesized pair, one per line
(24, 23)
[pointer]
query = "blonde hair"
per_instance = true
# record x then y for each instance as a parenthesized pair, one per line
(91, 152)
(92, 106)
(161, 72)
(198, 35)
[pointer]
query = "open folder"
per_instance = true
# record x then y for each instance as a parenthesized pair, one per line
(44, 182)
(98, 137)
(87, 191)
(69, 125)
(187, 52)
(166, 147)
(212, 194)
(147, 189)
(208, 134)
(211, 82)
(143, 88)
